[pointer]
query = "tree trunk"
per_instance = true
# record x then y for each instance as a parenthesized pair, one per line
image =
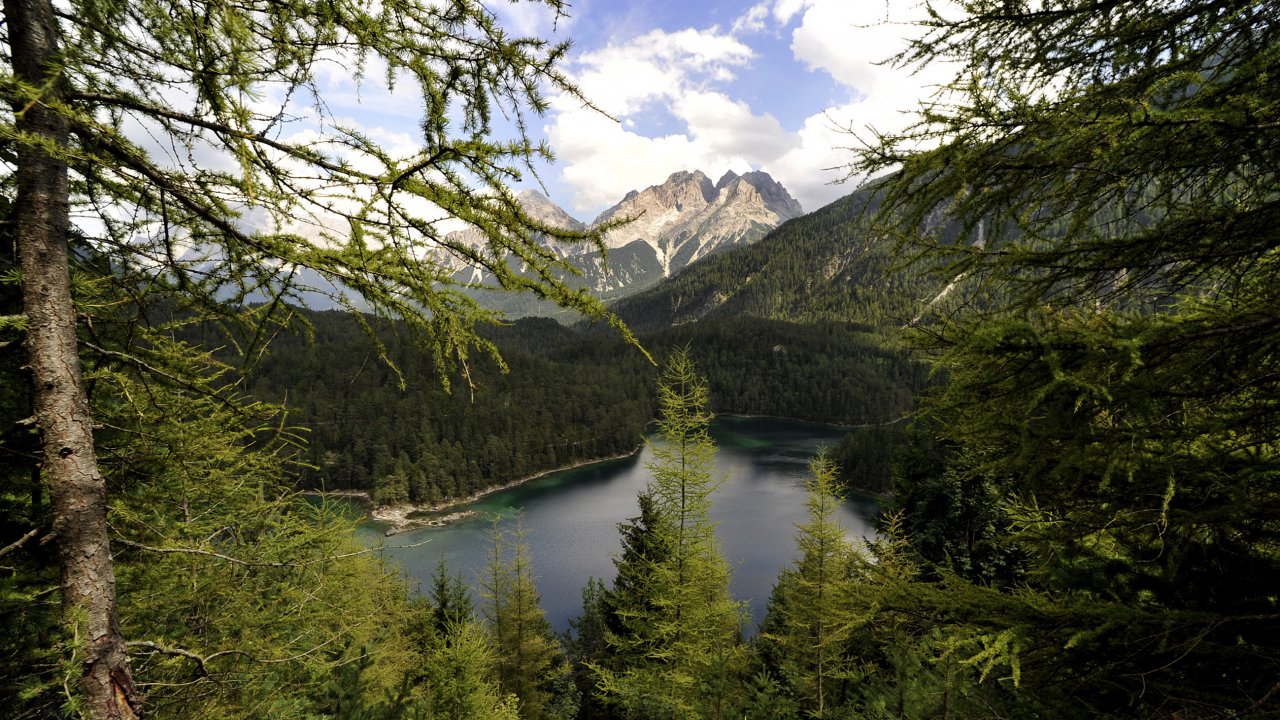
(70, 465)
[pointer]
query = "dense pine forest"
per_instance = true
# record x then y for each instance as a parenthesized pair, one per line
(566, 396)
(1076, 427)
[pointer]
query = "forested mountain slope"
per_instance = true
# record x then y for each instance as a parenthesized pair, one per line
(822, 266)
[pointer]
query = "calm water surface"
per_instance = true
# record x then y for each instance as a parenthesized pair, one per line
(571, 518)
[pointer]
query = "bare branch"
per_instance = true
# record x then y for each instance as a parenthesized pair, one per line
(20, 542)
(202, 661)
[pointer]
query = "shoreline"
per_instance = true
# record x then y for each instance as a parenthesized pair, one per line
(397, 517)
(747, 416)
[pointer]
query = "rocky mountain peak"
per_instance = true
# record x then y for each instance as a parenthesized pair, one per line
(672, 224)
(685, 188)
(774, 194)
(543, 210)
(688, 216)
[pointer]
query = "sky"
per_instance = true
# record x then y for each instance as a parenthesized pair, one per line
(718, 85)
(710, 85)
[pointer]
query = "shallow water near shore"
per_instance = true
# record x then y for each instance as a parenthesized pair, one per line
(571, 517)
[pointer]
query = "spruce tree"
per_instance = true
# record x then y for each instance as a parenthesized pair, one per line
(1108, 177)
(673, 626)
(458, 679)
(450, 599)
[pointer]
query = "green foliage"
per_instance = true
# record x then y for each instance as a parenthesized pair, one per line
(834, 372)
(569, 396)
(457, 678)
(864, 458)
(673, 638)
(766, 699)
(338, 214)
(955, 519)
(451, 604)
(527, 656)
(1110, 407)
(809, 625)
(586, 643)
(240, 600)
(234, 592)
(563, 398)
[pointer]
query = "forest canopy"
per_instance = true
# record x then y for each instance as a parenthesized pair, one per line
(1103, 457)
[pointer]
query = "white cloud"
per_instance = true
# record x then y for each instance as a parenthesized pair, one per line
(728, 128)
(530, 19)
(753, 20)
(855, 44)
(785, 10)
(601, 160)
(686, 75)
(622, 78)
(810, 170)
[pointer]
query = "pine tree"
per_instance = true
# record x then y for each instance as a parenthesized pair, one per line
(1108, 172)
(527, 656)
(82, 78)
(673, 625)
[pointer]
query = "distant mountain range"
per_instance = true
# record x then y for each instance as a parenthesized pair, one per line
(740, 247)
(684, 219)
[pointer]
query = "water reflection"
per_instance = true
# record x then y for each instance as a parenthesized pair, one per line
(571, 518)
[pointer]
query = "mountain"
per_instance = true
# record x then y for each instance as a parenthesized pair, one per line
(540, 208)
(686, 218)
(821, 267)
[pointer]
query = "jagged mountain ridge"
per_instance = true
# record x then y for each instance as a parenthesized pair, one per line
(825, 266)
(686, 218)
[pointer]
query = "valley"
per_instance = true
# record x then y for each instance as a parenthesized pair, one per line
(1010, 264)
(570, 518)
(789, 340)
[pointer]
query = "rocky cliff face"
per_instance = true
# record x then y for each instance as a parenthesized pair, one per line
(673, 224)
(541, 209)
(689, 217)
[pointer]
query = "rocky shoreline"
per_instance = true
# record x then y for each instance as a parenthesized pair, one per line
(400, 518)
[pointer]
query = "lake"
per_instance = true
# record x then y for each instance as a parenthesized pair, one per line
(571, 517)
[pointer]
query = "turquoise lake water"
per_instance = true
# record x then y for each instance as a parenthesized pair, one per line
(571, 517)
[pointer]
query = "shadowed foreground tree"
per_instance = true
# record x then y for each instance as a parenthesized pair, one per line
(1109, 341)
(193, 148)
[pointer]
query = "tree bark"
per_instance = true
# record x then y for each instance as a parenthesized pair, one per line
(70, 466)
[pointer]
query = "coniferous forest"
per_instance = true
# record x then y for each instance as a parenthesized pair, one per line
(1050, 315)
(566, 396)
